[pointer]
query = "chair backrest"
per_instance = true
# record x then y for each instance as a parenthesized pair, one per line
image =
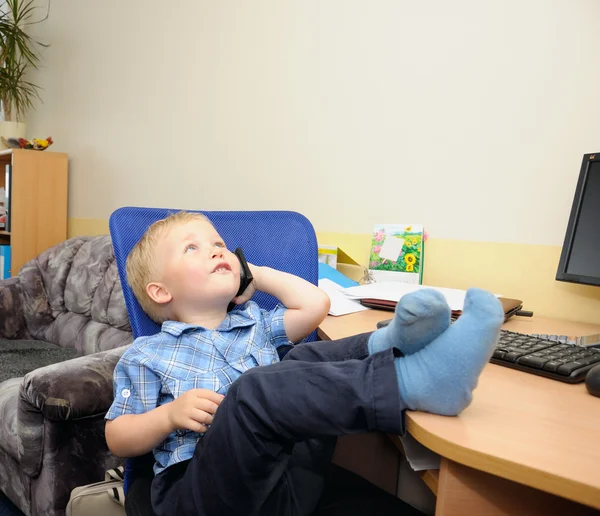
(283, 240)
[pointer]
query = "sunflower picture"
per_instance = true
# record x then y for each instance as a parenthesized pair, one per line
(397, 248)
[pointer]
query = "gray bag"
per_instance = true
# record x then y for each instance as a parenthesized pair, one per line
(105, 498)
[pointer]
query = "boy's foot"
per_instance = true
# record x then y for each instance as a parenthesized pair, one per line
(440, 377)
(419, 318)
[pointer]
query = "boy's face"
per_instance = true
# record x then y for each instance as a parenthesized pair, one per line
(198, 272)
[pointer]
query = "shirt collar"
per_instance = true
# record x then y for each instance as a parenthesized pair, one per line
(235, 319)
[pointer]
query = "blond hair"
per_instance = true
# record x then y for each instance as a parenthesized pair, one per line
(141, 265)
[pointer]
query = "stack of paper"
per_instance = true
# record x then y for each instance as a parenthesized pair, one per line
(393, 291)
(347, 300)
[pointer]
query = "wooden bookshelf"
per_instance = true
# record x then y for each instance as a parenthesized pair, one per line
(38, 202)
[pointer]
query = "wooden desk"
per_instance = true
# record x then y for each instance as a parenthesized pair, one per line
(523, 435)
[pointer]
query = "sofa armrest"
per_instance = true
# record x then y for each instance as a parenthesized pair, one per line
(12, 319)
(80, 388)
(73, 389)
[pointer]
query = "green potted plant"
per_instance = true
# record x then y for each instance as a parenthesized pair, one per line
(18, 53)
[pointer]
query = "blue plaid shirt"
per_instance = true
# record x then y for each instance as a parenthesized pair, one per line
(156, 369)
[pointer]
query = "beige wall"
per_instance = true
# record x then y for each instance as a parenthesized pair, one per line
(470, 117)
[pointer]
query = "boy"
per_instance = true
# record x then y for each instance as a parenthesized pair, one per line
(168, 386)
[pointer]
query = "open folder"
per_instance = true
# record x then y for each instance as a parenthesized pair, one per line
(385, 296)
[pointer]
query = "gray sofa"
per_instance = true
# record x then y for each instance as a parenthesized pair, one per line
(68, 301)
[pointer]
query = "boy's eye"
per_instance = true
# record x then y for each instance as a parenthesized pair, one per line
(220, 244)
(190, 247)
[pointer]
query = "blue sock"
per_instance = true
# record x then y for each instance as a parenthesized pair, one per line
(419, 318)
(441, 377)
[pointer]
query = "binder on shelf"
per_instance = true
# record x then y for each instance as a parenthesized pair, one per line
(5, 262)
(2, 207)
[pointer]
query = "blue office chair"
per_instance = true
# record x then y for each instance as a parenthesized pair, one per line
(280, 239)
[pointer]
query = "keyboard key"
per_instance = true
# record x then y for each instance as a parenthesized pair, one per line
(539, 346)
(552, 366)
(590, 360)
(537, 362)
(569, 367)
(512, 356)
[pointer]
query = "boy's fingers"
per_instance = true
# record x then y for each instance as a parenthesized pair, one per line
(206, 405)
(194, 426)
(200, 416)
(210, 395)
(245, 295)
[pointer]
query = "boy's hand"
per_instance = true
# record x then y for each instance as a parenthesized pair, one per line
(250, 289)
(307, 305)
(194, 410)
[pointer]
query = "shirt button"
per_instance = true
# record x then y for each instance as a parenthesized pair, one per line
(126, 393)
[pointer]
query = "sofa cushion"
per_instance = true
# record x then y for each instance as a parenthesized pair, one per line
(12, 319)
(73, 297)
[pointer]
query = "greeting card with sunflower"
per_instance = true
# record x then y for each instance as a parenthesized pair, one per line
(397, 253)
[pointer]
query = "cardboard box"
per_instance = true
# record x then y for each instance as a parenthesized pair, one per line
(342, 262)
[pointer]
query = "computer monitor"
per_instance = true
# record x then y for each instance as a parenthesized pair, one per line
(580, 257)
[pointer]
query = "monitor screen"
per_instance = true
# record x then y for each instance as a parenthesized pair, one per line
(580, 257)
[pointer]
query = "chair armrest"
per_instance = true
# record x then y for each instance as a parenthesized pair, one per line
(73, 389)
(12, 318)
(62, 393)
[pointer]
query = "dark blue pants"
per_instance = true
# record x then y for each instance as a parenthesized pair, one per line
(274, 433)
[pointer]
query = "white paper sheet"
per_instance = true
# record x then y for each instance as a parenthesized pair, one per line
(391, 248)
(340, 304)
(419, 457)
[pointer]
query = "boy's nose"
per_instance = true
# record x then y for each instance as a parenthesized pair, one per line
(217, 252)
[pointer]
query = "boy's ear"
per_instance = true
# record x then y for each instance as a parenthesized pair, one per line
(158, 293)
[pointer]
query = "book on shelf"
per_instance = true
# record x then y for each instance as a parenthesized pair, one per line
(397, 253)
(4, 261)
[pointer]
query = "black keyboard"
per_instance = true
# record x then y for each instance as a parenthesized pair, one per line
(560, 358)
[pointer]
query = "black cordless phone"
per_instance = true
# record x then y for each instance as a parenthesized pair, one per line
(245, 275)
